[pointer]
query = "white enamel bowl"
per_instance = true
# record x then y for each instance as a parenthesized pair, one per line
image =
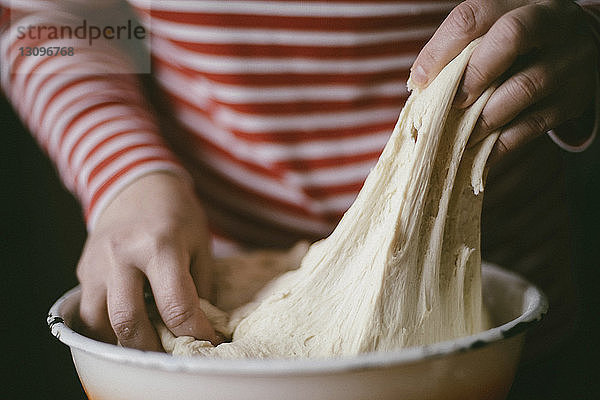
(481, 366)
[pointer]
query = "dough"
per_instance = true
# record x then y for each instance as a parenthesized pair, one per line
(403, 266)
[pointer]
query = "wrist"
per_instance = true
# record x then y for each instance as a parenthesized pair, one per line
(157, 193)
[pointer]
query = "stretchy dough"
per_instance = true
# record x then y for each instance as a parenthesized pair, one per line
(403, 266)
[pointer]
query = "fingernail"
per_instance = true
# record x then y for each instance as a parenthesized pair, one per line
(418, 75)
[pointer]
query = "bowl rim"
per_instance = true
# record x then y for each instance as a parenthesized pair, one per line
(537, 307)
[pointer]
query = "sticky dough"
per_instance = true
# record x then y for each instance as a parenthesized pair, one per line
(403, 266)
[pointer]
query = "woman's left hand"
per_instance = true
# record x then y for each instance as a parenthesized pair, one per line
(543, 54)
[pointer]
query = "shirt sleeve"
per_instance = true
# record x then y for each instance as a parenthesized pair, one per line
(584, 139)
(88, 112)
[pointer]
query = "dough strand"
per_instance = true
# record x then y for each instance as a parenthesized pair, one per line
(403, 266)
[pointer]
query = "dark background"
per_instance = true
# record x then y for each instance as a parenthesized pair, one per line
(42, 233)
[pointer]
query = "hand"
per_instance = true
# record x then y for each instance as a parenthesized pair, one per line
(542, 53)
(153, 232)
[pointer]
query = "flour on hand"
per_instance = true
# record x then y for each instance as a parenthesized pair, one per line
(403, 266)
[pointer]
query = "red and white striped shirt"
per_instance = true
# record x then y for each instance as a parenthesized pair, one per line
(277, 109)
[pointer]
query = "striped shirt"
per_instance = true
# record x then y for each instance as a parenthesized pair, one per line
(276, 111)
(279, 108)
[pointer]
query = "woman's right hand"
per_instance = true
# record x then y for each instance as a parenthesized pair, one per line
(153, 232)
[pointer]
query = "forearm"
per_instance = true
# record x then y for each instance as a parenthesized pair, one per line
(89, 117)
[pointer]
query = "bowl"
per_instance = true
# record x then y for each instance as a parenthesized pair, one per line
(480, 366)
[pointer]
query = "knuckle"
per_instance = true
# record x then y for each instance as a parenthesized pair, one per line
(510, 29)
(175, 315)
(161, 235)
(463, 18)
(125, 325)
(476, 75)
(485, 123)
(502, 147)
(124, 248)
(154, 245)
(524, 85)
(117, 245)
(538, 123)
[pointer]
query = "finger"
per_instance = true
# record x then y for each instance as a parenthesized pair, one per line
(541, 118)
(176, 296)
(519, 32)
(93, 315)
(550, 76)
(467, 21)
(514, 95)
(127, 311)
(201, 266)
